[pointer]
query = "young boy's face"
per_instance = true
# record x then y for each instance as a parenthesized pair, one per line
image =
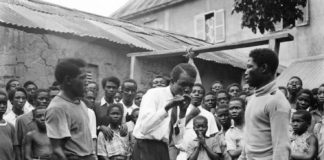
(3, 104)
(115, 115)
(320, 95)
(223, 116)
(40, 117)
(210, 101)
(135, 116)
(19, 100)
(200, 126)
(138, 99)
(298, 124)
(118, 97)
(303, 101)
(42, 99)
(236, 109)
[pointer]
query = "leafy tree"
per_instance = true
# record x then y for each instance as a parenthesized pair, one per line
(264, 14)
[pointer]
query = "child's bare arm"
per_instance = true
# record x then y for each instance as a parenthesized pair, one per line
(312, 141)
(211, 154)
(195, 153)
(28, 146)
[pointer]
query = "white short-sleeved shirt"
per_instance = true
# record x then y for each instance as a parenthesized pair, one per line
(92, 123)
(233, 137)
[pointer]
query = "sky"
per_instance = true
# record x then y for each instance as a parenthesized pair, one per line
(100, 7)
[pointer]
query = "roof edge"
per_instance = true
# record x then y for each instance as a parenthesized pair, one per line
(152, 9)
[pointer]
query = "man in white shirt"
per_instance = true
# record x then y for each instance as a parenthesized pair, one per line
(195, 109)
(128, 89)
(162, 115)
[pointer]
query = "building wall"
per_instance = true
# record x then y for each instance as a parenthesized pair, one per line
(180, 19)
(33, 54)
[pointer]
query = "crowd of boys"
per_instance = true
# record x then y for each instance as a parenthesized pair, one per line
(177, 119)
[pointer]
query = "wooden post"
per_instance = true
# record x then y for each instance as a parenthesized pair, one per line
(274, 44)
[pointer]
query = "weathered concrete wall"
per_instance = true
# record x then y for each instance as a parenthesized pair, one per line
(180, 19)
(33, 54)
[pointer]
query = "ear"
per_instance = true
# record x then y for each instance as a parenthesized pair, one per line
(264, 68)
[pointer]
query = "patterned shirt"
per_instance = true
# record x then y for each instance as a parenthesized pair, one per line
(299, 143)
(117, 146)
(211, 143)
(233, 137)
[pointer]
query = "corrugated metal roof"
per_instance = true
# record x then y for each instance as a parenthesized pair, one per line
(49, 17)
(310, 70)
(135, 6)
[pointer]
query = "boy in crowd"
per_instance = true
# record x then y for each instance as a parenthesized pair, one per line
(303, 143)
(223, 117)
(8, 140)
(294, 85)
(118, 147)
(138, 98)
(118, 96)
(31, 88)
(128, 89)
(234, 90)
(217, 86)
(234, 135)
(38, 145)
(18, 98)
(25, 123)
(203, 147)
(209, 102)
(222, 97)
(159, 81)
(53, 91)
(195, 109)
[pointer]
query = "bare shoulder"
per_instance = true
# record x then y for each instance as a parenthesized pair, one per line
(311, 139)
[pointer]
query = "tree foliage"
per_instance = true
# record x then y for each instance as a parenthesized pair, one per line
(264, 14)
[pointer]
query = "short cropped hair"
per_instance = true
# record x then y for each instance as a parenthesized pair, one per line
(200, 118)
(129, 81)
(182, 68)
(29, 83)
(112, 79)
(232, 85)
(305, 114)
(53, 88)
(296, 77)
(40, 90)
(201, 86)
(309, 92)
(223, 91)
(238, 99)
(222, 106)
(8, 83)
(68, 67)
(2, 92)
(266, 56)
(210, 93)
(12, 93)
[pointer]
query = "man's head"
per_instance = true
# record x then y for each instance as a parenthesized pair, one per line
(12, 84)
(217, 86)
(90, 97)
(159, 81)
(70, 73)
(42, 98)
(197, 94)
(294, 85)
(183, 77)
(39, 118)
(300, 121)
(209, 100)
(138, 98)
(236, 109)
(223, 116)
(110, 86)
(134, 114)
(222, 97)
(53, 91)
(92, 86)
(261, 67)
(234, 89)
(3, 102)
(18, 98)
(320, 94)
(31, 88)
(200, 125)
(304, 99)
(129, 88)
